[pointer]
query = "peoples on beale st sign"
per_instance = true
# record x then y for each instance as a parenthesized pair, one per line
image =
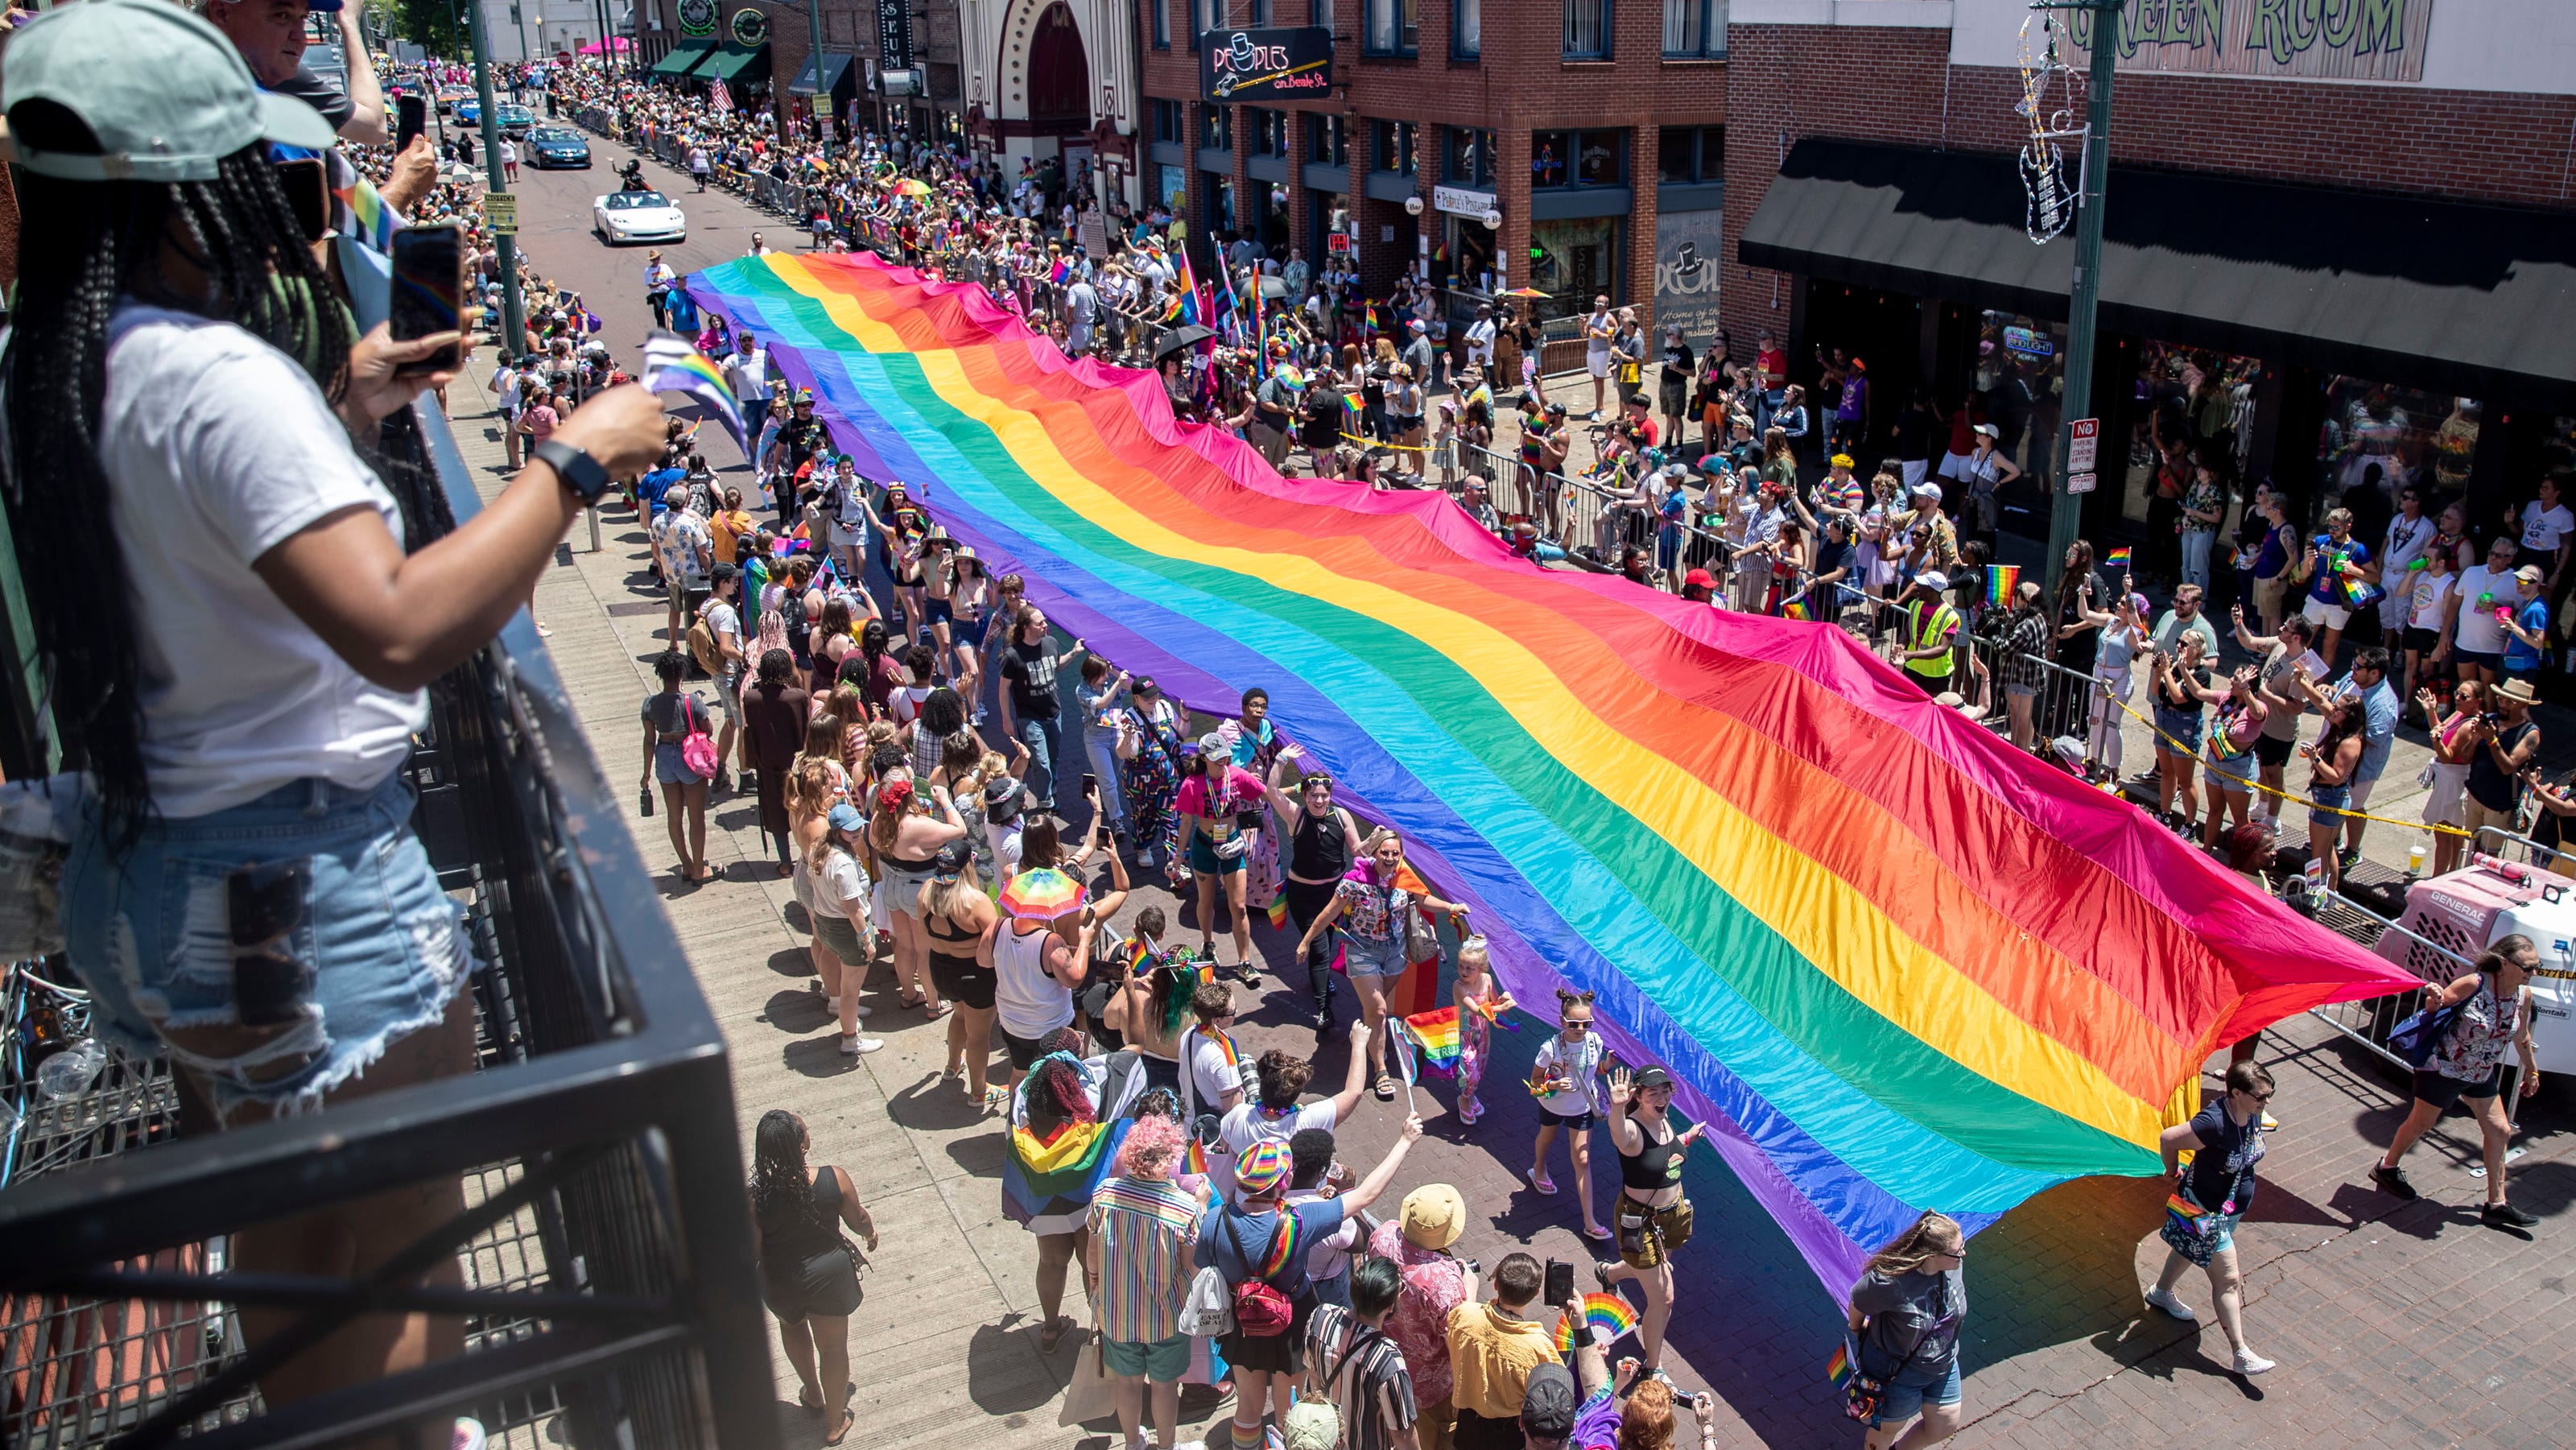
(1261, 65)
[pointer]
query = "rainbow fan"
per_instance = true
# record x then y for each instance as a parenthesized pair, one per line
(1607, 1316)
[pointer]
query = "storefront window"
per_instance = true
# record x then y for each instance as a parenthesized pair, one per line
(1219, 191)
(2378, 434)
(1464, 256)
(1575, 261)
(1328, 215)
(1171, 186)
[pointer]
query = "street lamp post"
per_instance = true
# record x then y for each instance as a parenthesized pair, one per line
(2065, 514)
(514, 330)
(822, 102)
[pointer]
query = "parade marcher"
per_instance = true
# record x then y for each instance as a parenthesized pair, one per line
(1904, 1319)
(2490, 1011)
(1653, 1216)
(2225, 1140)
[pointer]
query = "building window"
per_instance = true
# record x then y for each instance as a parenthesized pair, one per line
(1269, 131)
(1171, 187)
(1587, 29)
(1467, 157)
(1694, 28)
(1692, 153)
(1216, 128)
(1576, 261)
(1394, 27)
(1167, 121)
(1320, 12)
(1466, 28)
(1328, 140)
(1162, 24)
(1391, 147)
(1578, 158)
(1205, 15)
(1260, 12)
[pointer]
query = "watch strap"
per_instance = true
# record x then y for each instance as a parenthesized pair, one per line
(580, 472)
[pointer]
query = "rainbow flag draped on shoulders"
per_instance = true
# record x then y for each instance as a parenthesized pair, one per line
(1892, 964)
(1047, 1183)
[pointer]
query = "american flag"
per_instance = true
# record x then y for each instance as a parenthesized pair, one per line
(722, 98)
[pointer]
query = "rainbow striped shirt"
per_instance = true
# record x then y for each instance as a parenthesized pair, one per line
(1145, 1228)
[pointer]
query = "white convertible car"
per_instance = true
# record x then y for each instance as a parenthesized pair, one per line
(637, 216)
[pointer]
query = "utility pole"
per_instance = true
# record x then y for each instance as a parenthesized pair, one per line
(2065, 515)
(822, 104)
(514, 329)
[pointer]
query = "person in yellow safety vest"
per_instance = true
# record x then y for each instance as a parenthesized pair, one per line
(1930, 655)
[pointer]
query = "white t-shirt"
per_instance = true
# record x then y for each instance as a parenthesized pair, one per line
(1331, 1253)
(1005, 841)
(218, 448)
(842, 881)
(1249, 1124)
(2543, 530)
(2478, 632)
(2431, 592)
(1212, 1073)
(724, 622)
(1579, 1067)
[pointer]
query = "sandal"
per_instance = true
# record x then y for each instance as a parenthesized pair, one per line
(1385, 1088)
(1544, 1185)
(1053, 1334)
(844, 1432)
(1596, 1233)
(937, 1010)
(813, 1405)
(1601, 1276)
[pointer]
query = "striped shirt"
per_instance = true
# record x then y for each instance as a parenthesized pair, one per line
(1364, 1373)
(1146, 1228)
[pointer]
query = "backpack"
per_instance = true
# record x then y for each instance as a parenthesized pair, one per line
(702, 647)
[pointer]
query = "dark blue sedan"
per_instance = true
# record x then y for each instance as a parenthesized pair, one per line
(553, 146)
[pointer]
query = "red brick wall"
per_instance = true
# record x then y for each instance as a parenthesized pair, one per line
(1897, 86)
(1518, 85)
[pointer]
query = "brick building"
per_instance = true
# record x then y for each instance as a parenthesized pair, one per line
(2340, 236)
(922, 93)
(1595, 130)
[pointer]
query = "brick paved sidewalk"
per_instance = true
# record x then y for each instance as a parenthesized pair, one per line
(2393, 1325)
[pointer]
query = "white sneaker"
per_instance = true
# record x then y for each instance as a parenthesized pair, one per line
(854, 1046)
(2248, 1362)
(2160, 1299)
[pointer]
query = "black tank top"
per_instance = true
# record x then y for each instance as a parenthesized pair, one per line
(1657, 1167)
(788, 1240)
(930, 927)
(1321, 849)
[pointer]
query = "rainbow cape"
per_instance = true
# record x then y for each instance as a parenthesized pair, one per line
(1893, 964)
(1435, 1039)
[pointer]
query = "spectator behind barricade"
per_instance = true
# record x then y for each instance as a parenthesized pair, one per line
(185, 404)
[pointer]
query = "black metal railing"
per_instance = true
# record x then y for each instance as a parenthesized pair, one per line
(606, 1246)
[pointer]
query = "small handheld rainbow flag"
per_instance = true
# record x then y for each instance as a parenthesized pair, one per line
(1838, 1369)
(2001, 581)
(2117, 559)
(1435, 1039)
(673, 365)
(1369, 320)
(1278, 911)
(1794, 609)
(1605, 1316)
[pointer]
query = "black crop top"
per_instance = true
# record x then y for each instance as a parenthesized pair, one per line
(1658, 1166)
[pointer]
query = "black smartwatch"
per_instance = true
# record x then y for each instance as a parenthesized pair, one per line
(579, 471)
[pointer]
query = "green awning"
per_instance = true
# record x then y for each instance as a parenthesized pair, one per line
(731, 63)
(683, 59)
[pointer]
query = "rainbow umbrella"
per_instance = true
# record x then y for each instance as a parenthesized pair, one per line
(1042, 895)
(911, 187)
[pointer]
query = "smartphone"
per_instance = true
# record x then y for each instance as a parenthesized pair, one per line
(1560, 1283)
(411, 119)
(307, 194)
(1090, 783)
(1100, 836)
(265, 909)
(429, 289)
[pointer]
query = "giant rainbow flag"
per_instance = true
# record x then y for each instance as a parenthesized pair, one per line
(1894, 964)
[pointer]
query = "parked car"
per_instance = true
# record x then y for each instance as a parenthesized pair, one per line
(637, 216)
(554, 146)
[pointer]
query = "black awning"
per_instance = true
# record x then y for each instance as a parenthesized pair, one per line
(835, 79)
(2468, 299)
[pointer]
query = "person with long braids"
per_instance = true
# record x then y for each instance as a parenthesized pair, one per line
(809, 1274)
(234, 622)
(906, 844)
(1323, 839)
(1063, 1126)
(874, 669)
(1652, 1217)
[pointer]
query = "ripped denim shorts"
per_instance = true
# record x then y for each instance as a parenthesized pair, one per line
(275, 948)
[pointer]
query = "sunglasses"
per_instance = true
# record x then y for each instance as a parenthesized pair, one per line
(1577, 1024)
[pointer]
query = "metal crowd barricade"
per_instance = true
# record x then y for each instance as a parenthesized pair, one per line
(2369, 1021)
(2521, 849)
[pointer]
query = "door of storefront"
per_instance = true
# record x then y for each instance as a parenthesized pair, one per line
(1882, 329)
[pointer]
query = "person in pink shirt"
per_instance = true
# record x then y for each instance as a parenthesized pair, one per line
(1436, 1281)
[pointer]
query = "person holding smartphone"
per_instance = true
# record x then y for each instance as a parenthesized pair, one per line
(187, 405)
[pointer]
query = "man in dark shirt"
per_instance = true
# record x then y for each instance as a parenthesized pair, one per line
(1030, 710)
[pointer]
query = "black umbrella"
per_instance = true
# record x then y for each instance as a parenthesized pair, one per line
(1181, 337)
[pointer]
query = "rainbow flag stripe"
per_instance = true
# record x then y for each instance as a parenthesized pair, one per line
(1435, 1039)
(1893, 964)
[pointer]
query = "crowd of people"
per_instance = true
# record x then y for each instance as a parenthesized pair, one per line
(260, 702)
